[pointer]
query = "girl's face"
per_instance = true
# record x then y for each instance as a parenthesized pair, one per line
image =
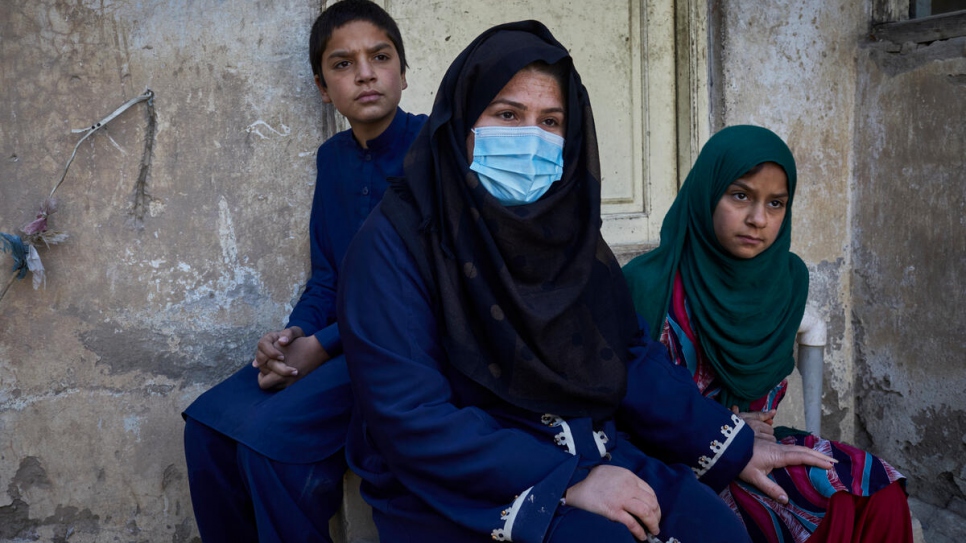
(531, 98)
(751, 211)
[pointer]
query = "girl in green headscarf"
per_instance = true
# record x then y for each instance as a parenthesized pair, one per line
(724, 293)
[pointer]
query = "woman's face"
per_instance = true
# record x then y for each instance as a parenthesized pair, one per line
(531, 98)
(750, 213)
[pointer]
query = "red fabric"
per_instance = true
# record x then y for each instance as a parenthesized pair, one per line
(882, 518)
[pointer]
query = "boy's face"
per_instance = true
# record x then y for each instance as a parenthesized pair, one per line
(363, 77)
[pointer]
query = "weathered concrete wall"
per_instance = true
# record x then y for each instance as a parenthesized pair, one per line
(909, 256)
(139, 317)
(790, 67)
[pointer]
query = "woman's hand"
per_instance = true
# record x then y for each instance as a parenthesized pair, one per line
(759, 421)
(769, 456)
(619, 495)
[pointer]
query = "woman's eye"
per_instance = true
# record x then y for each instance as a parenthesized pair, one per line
(551, 122)
(741, 196)
(777, 204)
(506, 115)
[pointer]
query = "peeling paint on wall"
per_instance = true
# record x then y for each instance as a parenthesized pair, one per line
(139, 317)
(828, 293)
(910, 250)
(16, 522)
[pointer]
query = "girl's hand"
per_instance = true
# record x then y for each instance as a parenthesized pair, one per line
(759, 421)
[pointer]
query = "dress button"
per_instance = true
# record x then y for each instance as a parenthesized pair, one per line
(365, 191)
(368, 157)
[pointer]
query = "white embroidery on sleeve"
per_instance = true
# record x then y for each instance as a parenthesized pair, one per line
(509, 516)
(565, 438)
(705, 463)
(600, 438)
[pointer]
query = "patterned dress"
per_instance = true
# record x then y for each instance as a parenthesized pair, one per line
(808, 488)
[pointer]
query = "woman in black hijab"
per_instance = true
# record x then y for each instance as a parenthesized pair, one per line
(491, 340)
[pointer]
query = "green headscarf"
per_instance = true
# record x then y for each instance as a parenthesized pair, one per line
(745, 312)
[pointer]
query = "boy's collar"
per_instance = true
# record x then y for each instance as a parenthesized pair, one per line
(390, 134)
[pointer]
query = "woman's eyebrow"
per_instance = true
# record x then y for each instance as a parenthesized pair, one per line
(519, 105)
(508, 102)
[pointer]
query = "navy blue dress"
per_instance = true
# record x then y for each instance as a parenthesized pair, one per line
(444, 459)
(306, 422)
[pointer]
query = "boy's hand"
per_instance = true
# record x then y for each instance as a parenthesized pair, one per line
(301, 356)
(618, 494)
(269, 350)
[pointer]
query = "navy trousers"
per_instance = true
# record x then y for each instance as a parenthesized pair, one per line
(241, 496)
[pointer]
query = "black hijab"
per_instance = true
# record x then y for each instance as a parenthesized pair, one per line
(531, 302)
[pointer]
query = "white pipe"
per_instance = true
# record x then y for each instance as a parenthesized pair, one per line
(812, 331)
(811, 365)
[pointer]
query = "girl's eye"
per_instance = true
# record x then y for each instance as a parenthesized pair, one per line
(777, 204)
(740, 196)
(382, 57)
(506, 115)
(551, 122)
(341, 65)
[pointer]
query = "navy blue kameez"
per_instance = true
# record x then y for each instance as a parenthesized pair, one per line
(300, 429)
(443, 458)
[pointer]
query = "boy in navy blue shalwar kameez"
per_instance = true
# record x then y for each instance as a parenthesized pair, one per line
(265, 447)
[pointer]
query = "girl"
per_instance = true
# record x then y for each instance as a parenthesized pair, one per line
(729, 296)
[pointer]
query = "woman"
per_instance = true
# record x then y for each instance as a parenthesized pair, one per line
(490, 336)
(730, 296)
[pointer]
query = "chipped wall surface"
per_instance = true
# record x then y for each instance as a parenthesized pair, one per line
(144, 307)
(909, 257)
(791, 68)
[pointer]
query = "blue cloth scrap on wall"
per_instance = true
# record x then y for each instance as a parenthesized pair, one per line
(15, 246)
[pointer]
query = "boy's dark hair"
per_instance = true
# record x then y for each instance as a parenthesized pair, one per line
(342, 13)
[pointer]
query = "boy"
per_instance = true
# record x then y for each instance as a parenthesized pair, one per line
(264, 448)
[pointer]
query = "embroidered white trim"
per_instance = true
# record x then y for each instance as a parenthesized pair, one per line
(510, 515)
(719, 448)
(565, 438)
(549, 419)
(601, 439)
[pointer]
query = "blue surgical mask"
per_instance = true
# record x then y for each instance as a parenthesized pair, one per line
(517, 165)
